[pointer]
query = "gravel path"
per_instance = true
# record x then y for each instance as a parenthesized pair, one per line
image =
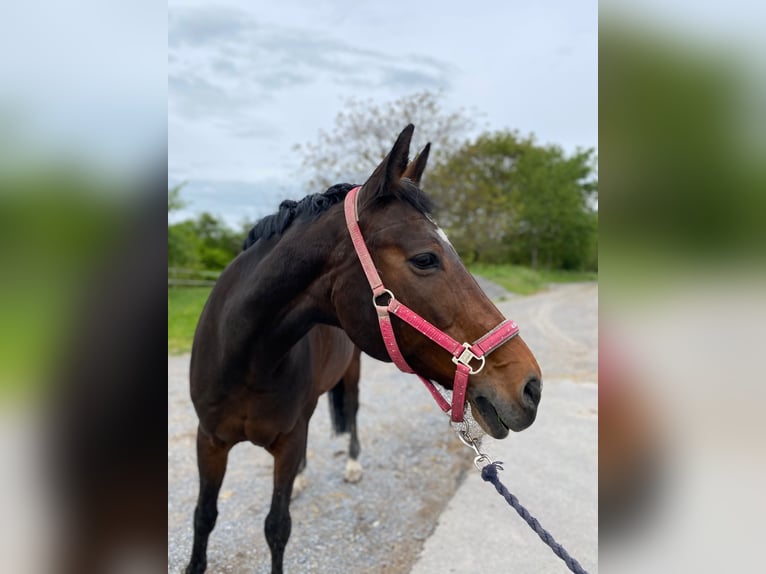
(412, 462)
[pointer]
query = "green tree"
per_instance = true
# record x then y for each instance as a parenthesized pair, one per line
(183, 245)
(205, 242)
(174, 198)
(505, 198)
(364, 131)
(218, 244)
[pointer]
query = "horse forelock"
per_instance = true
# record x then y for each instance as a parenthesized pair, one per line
(410, 192)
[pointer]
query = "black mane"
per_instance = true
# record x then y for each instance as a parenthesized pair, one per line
(317, 203)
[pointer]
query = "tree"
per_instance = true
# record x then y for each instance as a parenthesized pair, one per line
(181, 242)
(218, 244)
(183, 246)
(505, 198)
(364, 131)
(202, 243)
(174, 198)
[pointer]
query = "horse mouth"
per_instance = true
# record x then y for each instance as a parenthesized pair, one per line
(487, 416)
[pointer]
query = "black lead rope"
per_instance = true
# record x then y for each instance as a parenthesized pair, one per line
(489, 474)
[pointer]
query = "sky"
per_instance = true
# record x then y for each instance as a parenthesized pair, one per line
(249, 80)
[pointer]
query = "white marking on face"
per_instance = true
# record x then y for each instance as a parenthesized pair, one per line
(440, 232)
(443, 235)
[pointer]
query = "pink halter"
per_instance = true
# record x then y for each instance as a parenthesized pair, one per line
(463, 354)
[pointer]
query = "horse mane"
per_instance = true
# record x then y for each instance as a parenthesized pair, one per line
(315, 204)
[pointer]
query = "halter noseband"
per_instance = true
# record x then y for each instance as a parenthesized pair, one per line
(469, 358)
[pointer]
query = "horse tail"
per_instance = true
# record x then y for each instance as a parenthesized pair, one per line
(344, 397)
(337, 397)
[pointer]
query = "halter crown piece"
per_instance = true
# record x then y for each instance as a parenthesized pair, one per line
(468, 357)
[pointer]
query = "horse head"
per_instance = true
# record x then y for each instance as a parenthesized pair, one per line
(420, 267)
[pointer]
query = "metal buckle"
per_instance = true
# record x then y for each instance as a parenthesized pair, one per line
(466, 357)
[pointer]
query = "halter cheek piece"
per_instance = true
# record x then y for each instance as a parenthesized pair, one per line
(469, 358)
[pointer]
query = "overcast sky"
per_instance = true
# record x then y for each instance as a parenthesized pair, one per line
(248, 80)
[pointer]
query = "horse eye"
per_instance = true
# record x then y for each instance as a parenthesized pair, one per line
(425, 261)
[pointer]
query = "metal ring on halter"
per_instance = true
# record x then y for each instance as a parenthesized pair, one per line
(384, 292)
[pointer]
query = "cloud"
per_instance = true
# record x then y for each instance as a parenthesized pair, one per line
(196, 96)
(207, 25)
(224, 66)
(412, 77)
(235, 201)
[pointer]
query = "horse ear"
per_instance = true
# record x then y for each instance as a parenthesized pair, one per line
(399, 156)
(416, 168)
(386, 176)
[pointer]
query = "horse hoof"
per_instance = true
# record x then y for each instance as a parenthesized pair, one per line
(299, 485)
(353, 472)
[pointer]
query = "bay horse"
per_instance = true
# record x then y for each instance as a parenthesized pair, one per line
(288, 317)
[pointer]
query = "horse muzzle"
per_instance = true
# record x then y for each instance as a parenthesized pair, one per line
(497, 417)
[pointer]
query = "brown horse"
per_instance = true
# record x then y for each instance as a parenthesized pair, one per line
(286, 319)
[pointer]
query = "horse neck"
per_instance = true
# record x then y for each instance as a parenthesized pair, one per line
(287, 290)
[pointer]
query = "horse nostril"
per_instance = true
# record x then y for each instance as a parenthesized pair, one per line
(533, 390)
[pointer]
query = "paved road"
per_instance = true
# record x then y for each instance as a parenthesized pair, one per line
(420, 507)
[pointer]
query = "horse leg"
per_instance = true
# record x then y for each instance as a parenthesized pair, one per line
(212, 456)
(289, 451)
(301, 482)
(353, 472)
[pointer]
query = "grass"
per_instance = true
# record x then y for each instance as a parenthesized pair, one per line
(185, 304)
(184, 308)
(524, 280)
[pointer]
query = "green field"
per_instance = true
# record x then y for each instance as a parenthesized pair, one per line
(525, 281)
(184, 308)
(185, 304)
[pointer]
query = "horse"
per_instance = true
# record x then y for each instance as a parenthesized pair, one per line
(287, 320)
